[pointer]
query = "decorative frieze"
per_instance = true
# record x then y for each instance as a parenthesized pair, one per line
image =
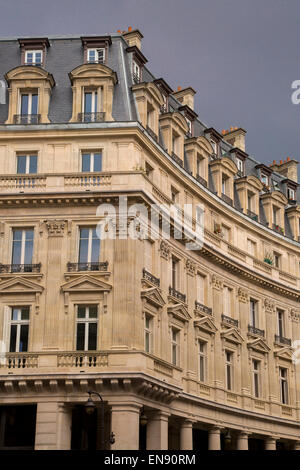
(295, 315)
(190, 267)
(216, 282)
(55, 227)
(165, 250)
(269, 305)
(242, 295)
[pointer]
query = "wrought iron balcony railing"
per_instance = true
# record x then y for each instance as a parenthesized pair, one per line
(202, 308)
(201, 180)
(282, 340)
(177, 294)
(150, 277)
(20, 268)
(73, 267)
(152, 133)
(99, 61)
(27, 118)
(230, 321)
(252, 215)
(227, 199)
(256, 331)
(177, 159)
(91, 117)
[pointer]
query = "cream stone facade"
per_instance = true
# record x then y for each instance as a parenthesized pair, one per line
(189, 349)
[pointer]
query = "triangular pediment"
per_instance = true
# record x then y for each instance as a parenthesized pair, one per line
(206, 324)
(153, 296)
(284, 353)
(259, 345)
(85, 283)
(179, 311)
(19, 285)
(232, 335)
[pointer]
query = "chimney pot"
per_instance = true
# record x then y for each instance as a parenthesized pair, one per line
(129, 28)
(281, 162)
(178, 88)
(119, 31)
(288, 159)
(274, 162)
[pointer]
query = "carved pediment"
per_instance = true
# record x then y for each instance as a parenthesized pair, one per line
(179, 311)
(93, 71)
(85, 283)
(29, 72)
(259, 345)
(153, 296)
(19, 285)
(285, 353)
(206, 324)
(232, 335)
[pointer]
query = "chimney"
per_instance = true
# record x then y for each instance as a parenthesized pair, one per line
(287, 168)
(133, 37)
(236, 137)
(185, 96)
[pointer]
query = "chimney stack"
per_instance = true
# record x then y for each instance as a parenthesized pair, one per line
(133, 37)
(185, 96)
(235, 137)
(287, 168)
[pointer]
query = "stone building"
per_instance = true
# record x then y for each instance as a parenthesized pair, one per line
(189, 349)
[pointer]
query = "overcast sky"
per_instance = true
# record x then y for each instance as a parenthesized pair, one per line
(241, 56)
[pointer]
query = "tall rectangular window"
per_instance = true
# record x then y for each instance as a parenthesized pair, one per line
(174, 273)
(175, 340)
(280, 323)
(26, 164)
(86, 327)
(22, 248)
(29, 104)
(19, 329)
(227, 301)
(148, 333)
(224, 185)
(253, 313)
(256, 377)
(201, 288)
(283, 385)
(202, 360)
(91, 162)
(89, 247)
(229, 370)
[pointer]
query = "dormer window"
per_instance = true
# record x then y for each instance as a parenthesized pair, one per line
(290, 194)
(91, 106)
(214, 146)
(33, 57)
(136, 72)
(28, 108)
(96, 56)
(240, 165)
(264, 179)
(189, 123)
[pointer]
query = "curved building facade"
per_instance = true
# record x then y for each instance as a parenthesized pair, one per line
(190, 345)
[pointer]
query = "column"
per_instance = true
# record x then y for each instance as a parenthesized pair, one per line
(214, 438)
(46, 426)
(125, 424)
(157, 431)
(270, 443)
(64, 427)
(186, 435)
(242, 441)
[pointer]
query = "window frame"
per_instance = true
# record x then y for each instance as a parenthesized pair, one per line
(284, 385)
(87, 321)
(18, 323)
(202, 361)
(148, 333)
(23, 245)
(92, 160)
(96, 50)
(90, 238)
(28, 157)
(175, 346)
(229, 367)
(34, 52)
(29, 106)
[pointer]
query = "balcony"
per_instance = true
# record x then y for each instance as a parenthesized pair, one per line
(177, 159)
(201, 180)
(19, 361)
(177, 294)
(92, 266)
(227, 199)
(149, 277)
(152, 133)
(252, 215)
(91, 117)
(27, 118)
(230, 321)
(82, 359)
(202, 308)
(282, 340)
(20, 268)
(278, 229)
(256, 331)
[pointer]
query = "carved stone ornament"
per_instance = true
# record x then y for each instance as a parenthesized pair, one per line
(216, 282)
(164, 250)
(269, 305)
(295, 315)
(242, 295)
(55, 227)
(190, 267)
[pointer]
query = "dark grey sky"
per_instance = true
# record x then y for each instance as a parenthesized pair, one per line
(240, 55)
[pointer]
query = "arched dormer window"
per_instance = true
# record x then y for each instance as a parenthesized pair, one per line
(149, 101)
(93, 87)
(29, 95)
(174, 128)
(223, 171)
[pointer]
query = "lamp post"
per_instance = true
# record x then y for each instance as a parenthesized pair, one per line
(90, 407)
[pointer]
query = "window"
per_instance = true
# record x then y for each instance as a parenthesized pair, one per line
(174, 195)
(200, 166)
(33, 57)
(201, 280)
(175, 266)
(86, 328)
(202, 360)
(214, 146)
(89, 247)
(240, 165)
(229, 370)
(290, 193)
(224, 184)
(189, 123)
(175, 334)
(253, 313)
(277, 260)
(148, 251)
(227, 301)
(175, 143)
(280, 323)
(19, 329)
(96, 56)
(256, 377)
(91, 102)
(26, 164)
(136, 72)
(22, 249)
(264, 179)
(150, 116)
(91, 162)
(283, 385)
(29, 104)
(148, 333)
(276, 213)
(251, 247)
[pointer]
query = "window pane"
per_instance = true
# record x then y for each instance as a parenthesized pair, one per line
(147, 342)
(33, 164)
(34, 104)
(97, 162)
(88, 102)
(80, 312)
(16, 255)
(86, 162)
(80, 336)
(95, 102)
(28, 251)
(21, 164)
(92, 346)
(29, 57)
(93, 311)
(24, 338)
(91, 55)
(83, 250)
(38, 57)
(15, 314)
(95, 250)
(13, 336)
(24, 104)
(25, 314)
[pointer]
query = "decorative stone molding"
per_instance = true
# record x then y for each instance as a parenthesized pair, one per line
(269, 306)
(55, 227)
(190, 267)
(165, 250)
(242, 295)
(216, 282)
(295, 315)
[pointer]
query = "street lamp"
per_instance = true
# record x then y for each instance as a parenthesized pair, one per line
(90, 407)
